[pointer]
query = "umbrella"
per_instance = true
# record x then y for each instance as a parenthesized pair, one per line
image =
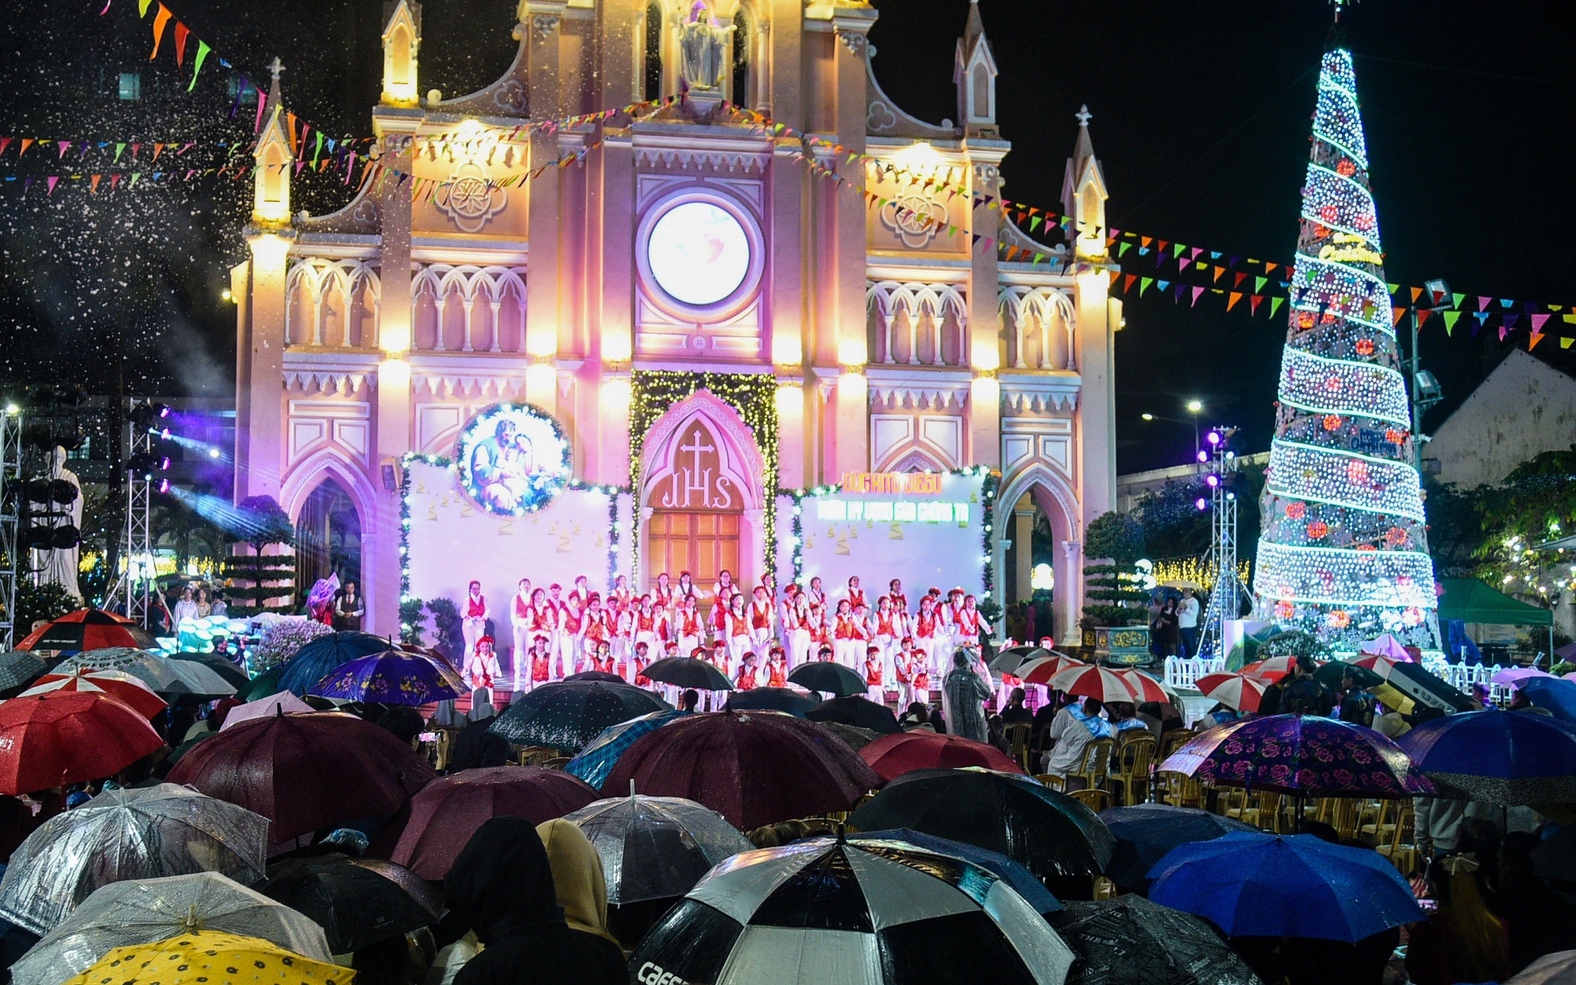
(688, 672)
(1272, 669)
(358, 901)
(1555, 694)
(219, 664)
(568, 715)
(141, 664)
(1519, 675)
(125, 688)
(873, 913)
(1335, 671)
(656, 847)
(771, 699)
(447, 811)
(1503, 757)
(921, 749)
(828, 678)
(1237, 691)
(757, 768)
(1092, 682)
(1043, 669)
(1387, 645)
(1013, 873)
(1146, 832)
(1052, 834)
(162, 830)
(196, 679)
(392, 677)
(270, 707)
(596, 675)
(125, 914)
(1148, 688)
(263, 684)
(18, 669)
(1303, 754)
(1180, 583)
(205, 956)
(1261, 885)
(860, 712)
(593, 763)
(321, 655)
(853, 736)
(306, 771)
(1009, 660)
(1424, 687)
(64, 737)
(86, 629)
(1554, 860)
(1130, 939)
(1558, 968)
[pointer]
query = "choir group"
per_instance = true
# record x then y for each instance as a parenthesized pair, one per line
(753, 638)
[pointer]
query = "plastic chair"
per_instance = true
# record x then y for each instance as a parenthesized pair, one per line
(1138, 756)
(1095, 799)
(1402, 847)
(1095, 765)
(1173, 740)
(1050, 780)
(1018, 743)
(556, 762)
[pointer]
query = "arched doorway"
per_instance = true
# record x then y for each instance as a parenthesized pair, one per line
(701, 500)
(1029, 572)
(328, 537)
(1044, 517)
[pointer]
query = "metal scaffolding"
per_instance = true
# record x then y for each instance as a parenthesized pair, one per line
(1226, 593)
(10, 528)
(137, 579)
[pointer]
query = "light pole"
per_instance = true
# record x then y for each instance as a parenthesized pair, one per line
(1193, 407)
(1426, 391)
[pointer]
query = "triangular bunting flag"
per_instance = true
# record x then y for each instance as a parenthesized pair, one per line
(202, 56)
(1127, 282)
(1218, 272)
(1240, 275)
(1537, 322)
(1275, 303)
(1450, 320)
(1415, 292)
(1565, 343)
(1534, 340)
(1253, 303)
(1422, 316)
(1259, 282)
(181, 33)
(1197, 292)
(1232, 301)
(1143, 285)
(1395, 316)
(159, 21)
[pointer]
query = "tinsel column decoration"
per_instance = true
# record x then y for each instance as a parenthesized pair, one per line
(1344, 553)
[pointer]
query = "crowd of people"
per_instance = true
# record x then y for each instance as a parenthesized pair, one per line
(754, 638)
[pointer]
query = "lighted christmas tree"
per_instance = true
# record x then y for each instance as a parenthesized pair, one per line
(1343, 554)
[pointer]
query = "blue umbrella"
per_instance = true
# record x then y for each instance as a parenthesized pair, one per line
(1502, 757)
(1145, 833)
(1261, 885)
(771, 699)
(323, 655)
(393, 677)
(596, 760)
(1556, 694)
(1014, 874)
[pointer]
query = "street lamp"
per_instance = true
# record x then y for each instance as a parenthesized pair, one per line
(1193, 407)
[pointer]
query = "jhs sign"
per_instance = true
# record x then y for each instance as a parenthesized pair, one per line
(695, 481)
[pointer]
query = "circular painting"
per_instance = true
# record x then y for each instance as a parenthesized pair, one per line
(513, 459)
(698, 253)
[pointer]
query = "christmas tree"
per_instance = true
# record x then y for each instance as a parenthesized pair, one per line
(1344, 553)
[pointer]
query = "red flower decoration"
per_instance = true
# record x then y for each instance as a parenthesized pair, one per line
(1296, 511)
(1331, 422)
(1346, 168)
(1317, 529)
(1365, 347)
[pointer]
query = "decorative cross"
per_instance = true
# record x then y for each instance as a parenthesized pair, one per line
(698, 447)
(1083, 115)
(275, 68)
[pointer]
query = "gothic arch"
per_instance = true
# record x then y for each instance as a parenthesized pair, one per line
(937, 323)
(1030, 314)
(738, 453)
(1059, 503)
(307, 475)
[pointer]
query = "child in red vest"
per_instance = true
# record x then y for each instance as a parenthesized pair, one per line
(873, 662)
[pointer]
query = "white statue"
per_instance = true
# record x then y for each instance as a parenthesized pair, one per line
(705, 47)
(60, 566)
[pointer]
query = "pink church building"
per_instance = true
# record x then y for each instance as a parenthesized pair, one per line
(672, 238)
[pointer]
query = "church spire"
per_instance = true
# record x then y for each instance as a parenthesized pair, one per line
(273, 155)
(1084, 192)
(974, 73)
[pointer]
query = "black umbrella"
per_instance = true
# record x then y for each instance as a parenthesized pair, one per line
(1129, 939)
(596, 675)
(858, 712)
(1426, 687)
(222, 666)
(1332, 673)
(689, 672)
(1054, 835)
(358, 901)
(1146, 832)
(854, 737)
(569, 714)
(18, 670)
(771, 699)
(827, 677)
(1014, 657)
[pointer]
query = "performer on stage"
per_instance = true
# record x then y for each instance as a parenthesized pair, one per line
(856, 595)
(873, 669)
(825, 653)
(724, 589)
(927, 631)
(848, 635)
(601, 658)
(539, 660)
(686, 587)
(520, 623)
(895, 593)
(796, 621)
(738, 630)
(641, 660)
(761, 621)
(473, 616)
(816, 592)
(646, 625)
(886, 629)
(663, 592)
(903, 665)
(777, 668)
(688, 627)
(966, 631)
(745, 681)
(571, 618)
(481, 667)
(596, 627)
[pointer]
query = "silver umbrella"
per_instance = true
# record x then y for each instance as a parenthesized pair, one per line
(163, 830)
(195, 679)
(654, 847)
(123, 914)
(140, 664)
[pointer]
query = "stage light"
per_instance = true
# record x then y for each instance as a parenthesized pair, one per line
(1212, 481)
(1201, 503)
(1147, 417)
(213, 453)
(12, 409)
(1203, 456)
(1213, 437)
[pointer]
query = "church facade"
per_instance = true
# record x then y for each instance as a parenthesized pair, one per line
(685, 300)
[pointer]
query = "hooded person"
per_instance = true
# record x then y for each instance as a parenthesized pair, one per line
(501, 887)
(577, 875)
(963, 699)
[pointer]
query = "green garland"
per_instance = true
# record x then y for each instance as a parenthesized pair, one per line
(753, 395)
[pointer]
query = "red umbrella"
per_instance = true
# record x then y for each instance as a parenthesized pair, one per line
(63, 737)
(1271, 670)
(123, 686)
(1237, 691)
(894, 755)
(754, 768)
(1093, 682)
(86, 629)
(306, 771)
(1146, 687)
(447, 811)
(1042, 669)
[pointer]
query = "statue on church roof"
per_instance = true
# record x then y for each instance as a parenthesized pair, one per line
(704, 45)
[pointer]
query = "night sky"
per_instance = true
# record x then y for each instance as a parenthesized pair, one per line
(1200, 118)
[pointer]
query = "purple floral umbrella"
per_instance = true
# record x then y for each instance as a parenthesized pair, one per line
(393, 677)
(1300, 754)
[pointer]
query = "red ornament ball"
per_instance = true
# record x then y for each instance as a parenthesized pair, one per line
(1332, 422)
(1346, 168)
(1318, 529)
(1296, 511)
(1365, 347)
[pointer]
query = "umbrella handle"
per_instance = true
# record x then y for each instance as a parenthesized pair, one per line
(632, 788)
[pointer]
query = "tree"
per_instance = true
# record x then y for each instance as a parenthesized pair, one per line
(1536, 503)
(1343, 552)
(260, 521)
(1112, 587)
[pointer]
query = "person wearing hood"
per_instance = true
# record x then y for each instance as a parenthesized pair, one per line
(501, 887)
(476, 747)
(577, 875)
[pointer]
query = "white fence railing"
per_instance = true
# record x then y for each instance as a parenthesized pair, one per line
(1184, 672)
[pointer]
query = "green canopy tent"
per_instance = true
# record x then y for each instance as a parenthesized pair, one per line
(1469, 600)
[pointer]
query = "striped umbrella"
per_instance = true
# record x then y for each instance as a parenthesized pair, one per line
(1271, 670)
(596, 760)
(1237, 691)
(117, 685)
(1042, 669)
(1093, 682)
(1148, 688)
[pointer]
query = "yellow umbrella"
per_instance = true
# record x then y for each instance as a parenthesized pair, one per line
(212, 958)
(1391, 698)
